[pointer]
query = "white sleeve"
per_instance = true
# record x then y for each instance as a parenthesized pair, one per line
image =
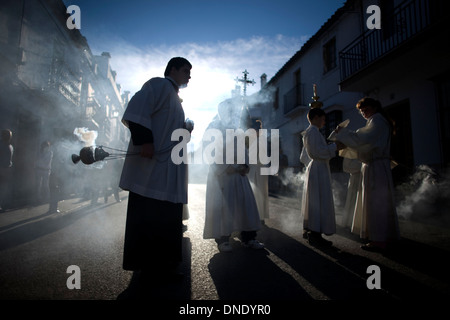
(358, 138)
(144, 104)
(304, 158)
(317, 147)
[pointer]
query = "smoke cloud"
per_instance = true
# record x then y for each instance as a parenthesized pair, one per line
(425, 196)
(86, 136)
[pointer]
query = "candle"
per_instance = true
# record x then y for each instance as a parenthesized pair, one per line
(315, 89)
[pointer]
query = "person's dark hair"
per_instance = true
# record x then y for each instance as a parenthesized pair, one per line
(315, 112)
(176, 62)
(370, 102)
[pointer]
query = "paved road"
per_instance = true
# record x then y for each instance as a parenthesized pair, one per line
(36, 249)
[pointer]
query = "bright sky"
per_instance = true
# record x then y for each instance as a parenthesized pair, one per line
(221, 38)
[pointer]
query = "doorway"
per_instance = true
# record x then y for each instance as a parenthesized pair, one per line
(401, 141)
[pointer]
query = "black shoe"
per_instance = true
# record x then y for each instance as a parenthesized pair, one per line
(372, 248)
(315, 239)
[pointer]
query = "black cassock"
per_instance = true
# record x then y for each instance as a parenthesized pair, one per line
(153, 232)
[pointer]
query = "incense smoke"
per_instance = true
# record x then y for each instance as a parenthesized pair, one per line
(425, 196)
(86, 136)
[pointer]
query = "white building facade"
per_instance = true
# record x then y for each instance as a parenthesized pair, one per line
(403, 64)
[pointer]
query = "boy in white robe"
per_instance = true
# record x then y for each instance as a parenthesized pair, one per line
(230, 203)
(375, 214)
(157, 186)
(317, 201)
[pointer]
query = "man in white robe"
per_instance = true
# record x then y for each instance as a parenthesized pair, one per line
(317, 200)
(375, 215)
(230, 203)
(157, 186)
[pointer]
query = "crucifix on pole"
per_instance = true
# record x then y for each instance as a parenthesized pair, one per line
(246, 81)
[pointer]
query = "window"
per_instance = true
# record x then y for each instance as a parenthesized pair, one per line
(329, 55)
(333, 118)
(275, 99)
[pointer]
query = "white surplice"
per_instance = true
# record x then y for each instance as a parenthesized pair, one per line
(156, 107)
(353, 167)
(317, 201)
(259, 182)
(260, 187)
(230, 202)
(375, 215)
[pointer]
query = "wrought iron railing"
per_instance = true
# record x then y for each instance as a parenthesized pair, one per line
(408, 19)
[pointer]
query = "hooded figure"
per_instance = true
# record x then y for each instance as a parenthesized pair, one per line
(230, 203)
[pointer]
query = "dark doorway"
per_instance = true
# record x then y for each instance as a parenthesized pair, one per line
(401, 142)
(443, 92)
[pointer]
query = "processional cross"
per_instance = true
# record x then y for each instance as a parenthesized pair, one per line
(246, 81)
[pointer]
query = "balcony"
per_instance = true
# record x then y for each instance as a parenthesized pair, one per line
(407, 21)
(65, 82)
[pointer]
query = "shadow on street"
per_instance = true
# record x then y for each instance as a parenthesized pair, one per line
(36, 227)
(245, 274)
(159, 289)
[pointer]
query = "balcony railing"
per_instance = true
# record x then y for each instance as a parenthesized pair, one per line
(406, 20)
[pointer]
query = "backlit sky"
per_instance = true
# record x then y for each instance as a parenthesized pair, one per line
(221, 38)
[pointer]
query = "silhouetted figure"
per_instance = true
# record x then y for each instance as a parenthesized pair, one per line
(317, 201)
(375, 214)
(6, 163)
(56, 181)
(112, 178)
(43, 169)
(157, 186)
(230, 202)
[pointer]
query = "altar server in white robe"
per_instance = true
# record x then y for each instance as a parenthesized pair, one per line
(259, 182)
(157, 187)
(352, 167)
(375, 213)
(230, 203)
(317, 200)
